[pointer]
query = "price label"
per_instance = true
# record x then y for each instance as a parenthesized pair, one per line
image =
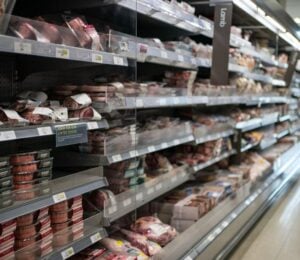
(133, 153)
(116, 158)
(97, 58)
(162, 101)
(139, 103)
(188, 258)
(95, 238)
(218, 231)
(194, 61)
(112, 210)
(22, 47)
(176, 101)
(44, 131)
(164, 54)
(225, 224)
(7, 135)
(68, 253)
(59, 197)
(190, 138)
(233, 215)
(118, 61)
(211, 237)
(139, 196)
(174, 179)
(150, 191)
(176, 142)
(127, 202)
(151, 149)
(158, 186)
(182, 174)
(180, 58)
(164, 145)
(92, 125)
(62, 53)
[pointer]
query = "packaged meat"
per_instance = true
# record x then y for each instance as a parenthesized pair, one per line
(98, 200)
(123, 247)
(11, 117)
(7, 240)
(38, 115)
(23, 176)
(78, 101)
(154, 230)
(150, 248)
(85, 113)
(7, 253)
(28, 167)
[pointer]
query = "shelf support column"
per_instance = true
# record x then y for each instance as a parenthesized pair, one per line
(221, 41)
(291, 68)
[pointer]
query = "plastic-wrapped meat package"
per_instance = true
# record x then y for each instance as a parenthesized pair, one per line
(150, 248)
(157, 164)
(98, 200)
(78, 101)
(85, 113)
(11, 117)
(38, 115)
(123, 247)
(154, 230)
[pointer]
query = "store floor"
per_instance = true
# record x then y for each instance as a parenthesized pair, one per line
(277, 234)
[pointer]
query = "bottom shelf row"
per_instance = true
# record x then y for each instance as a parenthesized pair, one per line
(166, 227)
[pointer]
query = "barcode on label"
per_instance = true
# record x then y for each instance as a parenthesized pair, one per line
(116, 158)
(45, 131)
(62, 53)
(139, 196)
(59, 197)
(151, 149)
(67, 253)
(98, 58)
(92, 125)
(118, 61)
(164, 54)
(127, 202)
(95, 238)
(7, 135)
(22, 47)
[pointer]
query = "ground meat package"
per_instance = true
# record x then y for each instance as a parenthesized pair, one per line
(154, 230)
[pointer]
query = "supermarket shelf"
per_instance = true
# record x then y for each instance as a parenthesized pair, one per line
(266, 143)
(199, 139)
(278, 82)
(178, 101)
(144, 193)
(208, 236)
(282, 134)
(11, 134)
(266, 59)
(57, 190)
(50, 50)
(201, 166)
(248, 147)
(165, 13)
(284, 118)
(249, 125)
(92, 233)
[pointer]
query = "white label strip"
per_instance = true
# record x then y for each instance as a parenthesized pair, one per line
(112, 210)
(59, 197)
(162, 101)
(116, 158)
(118, 61)
(95, 238)
(164, 145)
(151, 149)
(176, 142)
(67, 253)
(7, 135)
(150, 191)
(22, 47)
(139, 196)
(180, 58)
(176, 100)
(45, 131)
(62, 53)
(133, 153)
(164, 54)
(139, 103)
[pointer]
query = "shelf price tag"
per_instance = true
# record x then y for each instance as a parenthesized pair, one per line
(164, 54)
(59, 197)
(22, 47)
(127, 202)
(139, 196)
(133, 153)
(164, 145)
(118, 60)
(116, 158)
(62, 53)
(176, 142)
(158, 186)
(92, 125)
(7, 135)
(181, 58)
(176, 101)
(174, 179)
(112, 209)
(162, 101)
(71, 134)
(45, 131)
(150, 191)
(151, 149)
(68, 253)
(97, 58)
(95, 238)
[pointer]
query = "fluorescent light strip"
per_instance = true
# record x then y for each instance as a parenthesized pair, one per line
(257, 13)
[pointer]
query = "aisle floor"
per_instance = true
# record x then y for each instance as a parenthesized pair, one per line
(277, 235)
